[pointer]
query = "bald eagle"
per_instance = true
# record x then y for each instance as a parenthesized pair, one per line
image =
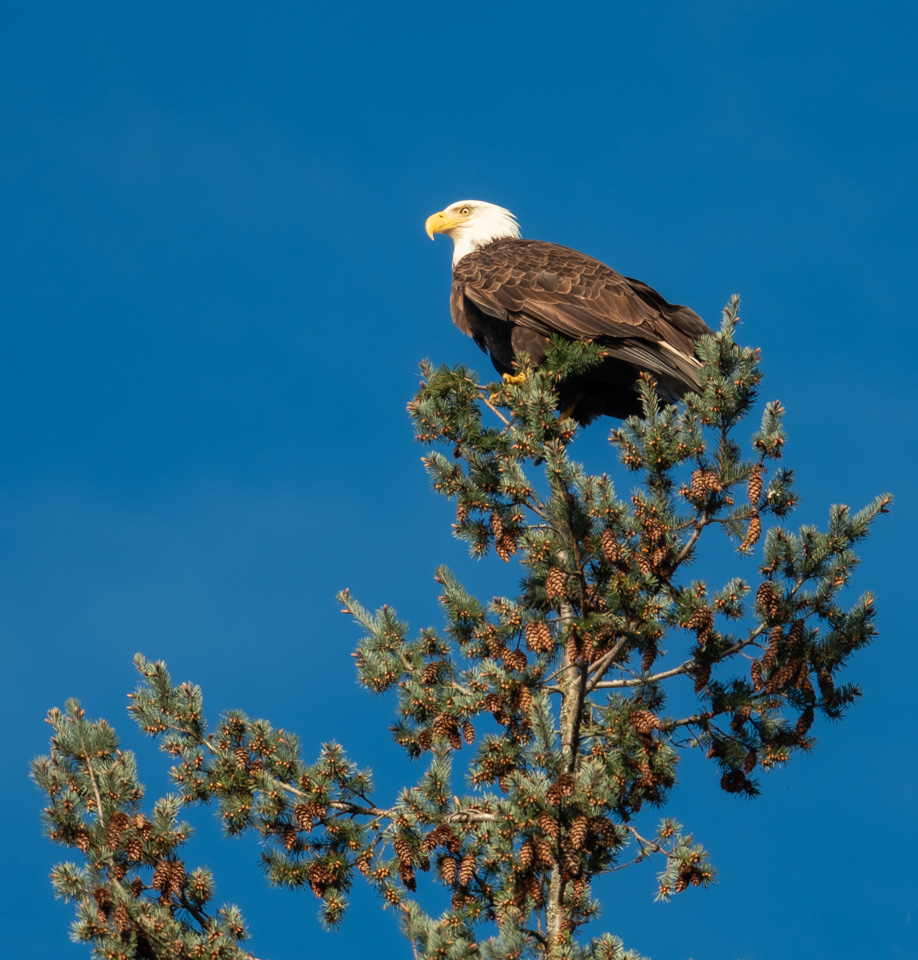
(510, 295)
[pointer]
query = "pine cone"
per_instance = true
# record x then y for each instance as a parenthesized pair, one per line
(406, 875)
(430, 673)
(121, 918)
(363, 862)
(538, 636)
(644, 721)
(826, 683)
(161, 874)
(468, 731)
(527, 853)
(796, 636)
(755, 671)
(177, 877)
(525, 700)
(735, 781)
(102, 896)
(782, 677)
(494, 702)
(775, 644)
(303, 820)
(702, 622)
(497, 524)
(543, 851)
(752, 759)
(702, 674)
(754, 486)
(554, 583)
(566, 784)
(579, 830)
(289, 836)
(804, 723)
(515, 660)
(443, 725)
(610, 546)
(753, 532)
(448, 870)
(505, 546)
(119, 822)
(534, 889)
(704, 482)
(740, 716)
(767, 598)
(402, 849)
(572, 651)
(466, 870)
(548, 824)
(605, 830)
(242, 758)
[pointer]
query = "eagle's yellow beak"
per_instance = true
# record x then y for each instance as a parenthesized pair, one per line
(440, 222)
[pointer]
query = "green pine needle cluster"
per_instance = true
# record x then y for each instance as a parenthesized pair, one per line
(573, 700)
(133, 893)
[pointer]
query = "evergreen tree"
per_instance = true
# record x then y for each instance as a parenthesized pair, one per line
(563, 692)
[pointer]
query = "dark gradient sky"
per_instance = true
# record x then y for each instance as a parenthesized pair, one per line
(215, 289)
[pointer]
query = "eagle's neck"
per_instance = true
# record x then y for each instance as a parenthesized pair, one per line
(481, 230)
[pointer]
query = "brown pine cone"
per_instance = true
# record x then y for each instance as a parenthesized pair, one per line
(554, 583)
(579, 830)
(609, 545)
(754, 531)
(767, 598)
(466, 870)
(303, 820)
(121, 918)
(754, 486)
(644, 721)
(448, 870)
(538, 637)
(289, 836)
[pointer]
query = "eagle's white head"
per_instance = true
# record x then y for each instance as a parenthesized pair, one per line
(471, 224)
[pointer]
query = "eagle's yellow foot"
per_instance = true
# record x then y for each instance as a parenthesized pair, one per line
(515, 379)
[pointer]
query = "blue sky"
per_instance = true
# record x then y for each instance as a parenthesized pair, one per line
(215, 291)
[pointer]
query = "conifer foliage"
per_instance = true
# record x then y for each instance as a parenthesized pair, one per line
(568, 705)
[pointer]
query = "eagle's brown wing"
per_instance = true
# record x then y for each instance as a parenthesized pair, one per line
(512, 295)
(554, 289)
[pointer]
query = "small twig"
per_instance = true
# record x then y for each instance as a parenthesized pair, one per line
(600, 666)
(492, 408)
(535, 933)
(637, 681)
(92, 780)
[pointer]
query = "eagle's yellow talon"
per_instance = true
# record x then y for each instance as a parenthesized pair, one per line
(515, 379)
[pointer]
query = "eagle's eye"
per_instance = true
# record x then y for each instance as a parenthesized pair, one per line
(465, 211)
